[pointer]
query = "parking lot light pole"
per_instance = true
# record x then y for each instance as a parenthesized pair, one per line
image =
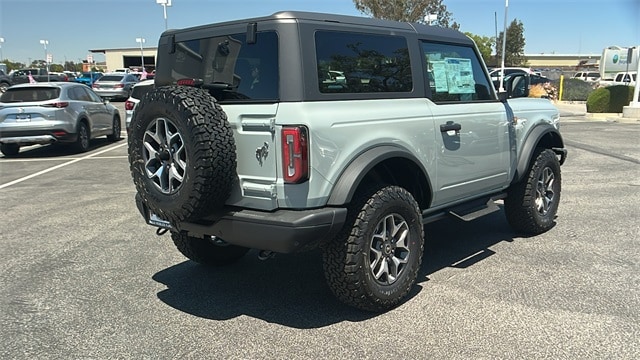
(165, 4)
(45, 43)
(141, 41)
(1, 41)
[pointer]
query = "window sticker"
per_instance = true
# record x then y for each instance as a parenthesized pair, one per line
(440, 76)
(459, 76)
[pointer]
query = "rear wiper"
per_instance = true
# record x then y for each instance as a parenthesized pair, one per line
(199, 83)
(218, 86)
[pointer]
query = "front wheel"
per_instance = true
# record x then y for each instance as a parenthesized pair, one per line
(531, 204)
(10, 149)
(212, 251)
(373, 264)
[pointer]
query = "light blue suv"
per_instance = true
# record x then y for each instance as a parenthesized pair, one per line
(247, 142)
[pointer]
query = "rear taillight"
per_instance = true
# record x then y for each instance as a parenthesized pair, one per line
(59, 104)
(128, 105)
(295, 154)
(118, 86)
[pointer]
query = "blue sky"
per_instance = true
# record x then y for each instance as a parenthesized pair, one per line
(73, 27)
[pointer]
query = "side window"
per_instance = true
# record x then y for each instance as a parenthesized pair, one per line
(362, 63)
(455, 73)
(234, 70)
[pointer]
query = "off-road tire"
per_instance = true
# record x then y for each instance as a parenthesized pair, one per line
(531, 204)
(210, 252)
(204, 160)
(116, 135)
(10, 149)
(348, 258)
(84, 138)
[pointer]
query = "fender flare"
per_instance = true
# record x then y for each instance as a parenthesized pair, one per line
(543, 133)
(354, 173)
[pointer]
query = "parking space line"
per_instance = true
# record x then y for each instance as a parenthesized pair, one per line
(59, 166)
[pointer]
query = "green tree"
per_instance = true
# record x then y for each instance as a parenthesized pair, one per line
(484, 44)
(12, 65)
(514, 47)
(407, 10)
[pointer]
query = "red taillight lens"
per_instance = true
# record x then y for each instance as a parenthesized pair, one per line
(295, 154)
(59, 104)
(118, 86)
(128, 105)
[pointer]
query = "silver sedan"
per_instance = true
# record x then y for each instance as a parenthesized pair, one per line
(45, 113)
(115, 85)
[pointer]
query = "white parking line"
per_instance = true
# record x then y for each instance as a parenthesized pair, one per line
(59, 166)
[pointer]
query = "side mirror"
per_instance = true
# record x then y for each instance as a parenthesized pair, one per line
(517, 85)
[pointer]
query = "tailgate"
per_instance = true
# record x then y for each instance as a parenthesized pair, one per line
(254, 133)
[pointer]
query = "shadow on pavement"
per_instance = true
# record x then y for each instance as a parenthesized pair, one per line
(290, 289)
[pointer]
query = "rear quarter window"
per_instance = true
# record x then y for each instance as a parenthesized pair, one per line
(362, 63)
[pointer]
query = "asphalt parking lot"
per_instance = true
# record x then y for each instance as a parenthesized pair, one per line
(84, 277)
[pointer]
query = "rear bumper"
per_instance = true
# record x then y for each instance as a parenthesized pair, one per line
(35, 137)
(283, 231)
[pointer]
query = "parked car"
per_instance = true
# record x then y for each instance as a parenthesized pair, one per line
(138, 91)
(495, 73)
(621, 78)
(588, 76)
(60, 112)
(243, 143)
(115, 85)
(88, 78)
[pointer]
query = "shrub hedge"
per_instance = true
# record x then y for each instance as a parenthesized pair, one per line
(574, 89)
(609, 99)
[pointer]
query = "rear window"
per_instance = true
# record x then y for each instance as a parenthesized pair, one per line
(229, 67)
(26, 94)
(111, 78)
(140, 91)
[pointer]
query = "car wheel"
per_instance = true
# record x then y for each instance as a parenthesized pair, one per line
(3, 87)
(214, 251)
(531, 204)
(373, 263)
(182, 153)
(82, 143)
(116, 135)
(10, 149)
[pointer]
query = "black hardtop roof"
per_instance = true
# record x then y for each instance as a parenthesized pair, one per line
(430, 31)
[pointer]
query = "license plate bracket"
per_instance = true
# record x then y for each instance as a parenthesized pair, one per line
(155, 220)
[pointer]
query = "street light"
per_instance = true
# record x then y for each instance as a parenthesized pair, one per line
(45, 43)
(1, 41)
(141, 41)
(165, 4)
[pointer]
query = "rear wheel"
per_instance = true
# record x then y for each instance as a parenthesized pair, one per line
(82, 143)
(211, 251)
(532, 204)
(374, 262)
(115, 136)
(10, 149)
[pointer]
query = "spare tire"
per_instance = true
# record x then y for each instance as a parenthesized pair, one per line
(182, 153)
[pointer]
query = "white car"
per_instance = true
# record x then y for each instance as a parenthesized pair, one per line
(495, 73)
(137, 92)
(588, 76)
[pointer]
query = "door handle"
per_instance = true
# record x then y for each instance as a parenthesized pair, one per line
(450, 125)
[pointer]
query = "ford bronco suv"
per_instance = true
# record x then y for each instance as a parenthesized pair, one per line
(300, 131)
